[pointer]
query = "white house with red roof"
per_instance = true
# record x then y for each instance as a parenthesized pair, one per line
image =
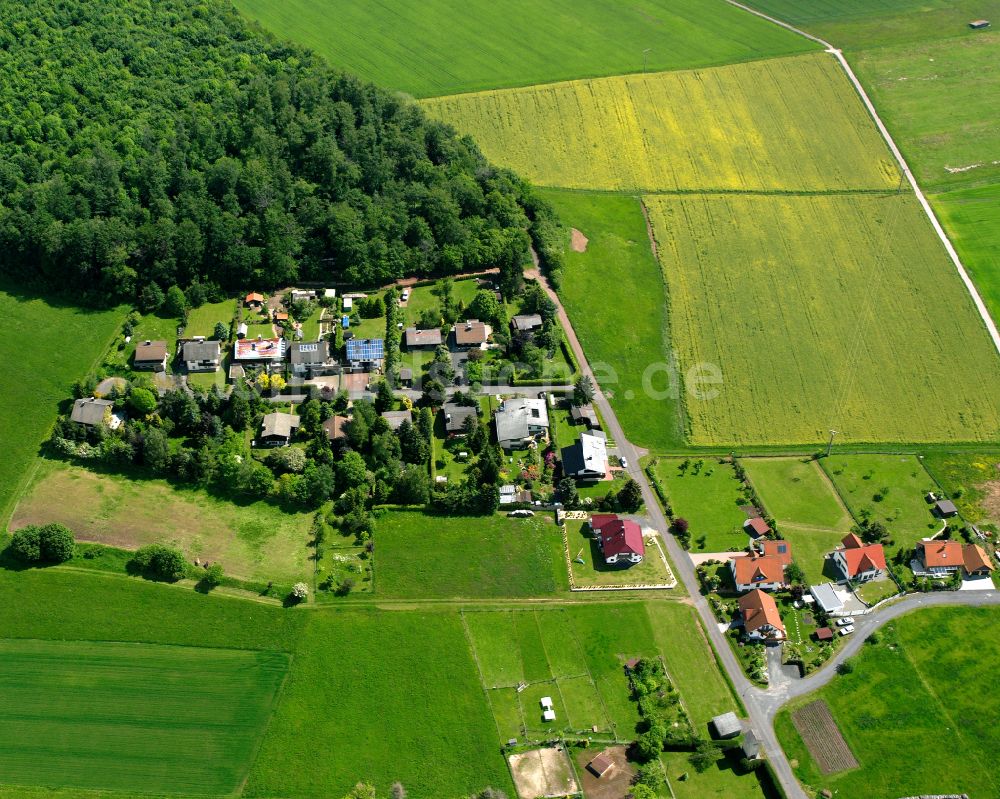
(620, 540)
(761, 619)
(764, 568)
(858, 561)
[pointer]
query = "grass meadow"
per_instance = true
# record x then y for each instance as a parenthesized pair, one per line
(744, 127)
(856, 24)
(252, 540)
(819, 315)
(58, 345)
(621, 323)
(380, 697)
(709, 498)
(430, 50)
(419, 555)
(903, 510)
(133, 717)
(914, 711)
(202, 320)
(972, 219)
(795, 490)
(940, 99)
(972, 481)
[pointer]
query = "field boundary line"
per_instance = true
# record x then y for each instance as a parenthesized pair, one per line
(984, 313)
(271, 711)
(482, 680)
(833, 489)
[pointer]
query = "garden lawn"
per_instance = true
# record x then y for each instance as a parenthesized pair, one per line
(421, 555)
(972, 481)
(430, 49)
(691, 662)
(56, 345)
(254, 541)
(595, 572)
(795, 490)
(709, 499)
(914, 711)
(972, 219)
(202, 320)
(153, 327)
(380, 697)
(133, 717)
(423, 298)
(206, 380)
(903, 510)
(841, 335)
(810, 548)
(451, 468)
(745, 127)
(613, 294)
(720, 781)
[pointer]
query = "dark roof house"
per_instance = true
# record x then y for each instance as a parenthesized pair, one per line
(419, 339)
(92, 412)
(277, 429)
(471, 333)
(312, 358)
(150, 356)
(526, 322)
(455, 416)
(202, 356)
(396, 418)
(585, 414)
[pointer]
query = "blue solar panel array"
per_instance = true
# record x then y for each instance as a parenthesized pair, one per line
(366, 349)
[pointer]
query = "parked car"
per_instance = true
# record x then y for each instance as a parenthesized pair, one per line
(845, 621)
(847, 630)
(624, 463)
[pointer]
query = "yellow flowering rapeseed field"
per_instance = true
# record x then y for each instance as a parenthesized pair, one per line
(823, 312)
(789, 124)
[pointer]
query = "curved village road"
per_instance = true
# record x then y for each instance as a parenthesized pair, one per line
(762, 704)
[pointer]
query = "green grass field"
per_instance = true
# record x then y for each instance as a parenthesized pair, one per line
(133, 717)
(380, 697)
(972, 481)
(796, 490)
(972, 219)
(202, 320)
(58, 345)
(467, 556)
(709, 499)
(423, 298)
(621, 323)
(740, 128)
(940, 98)
(430, 49)
(903, 509)
(818, 316)
(256, 541)
(855, 24)
(915, 711)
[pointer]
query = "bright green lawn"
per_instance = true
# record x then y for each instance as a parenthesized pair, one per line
(915, 711)
(202, 320)
(423, 298)
(419, 555)
(595, 572)
(855, 24)
(689, 658)
(810, 548)
(709, 499)
(903, 510)
(621, 322)
(796, 490)
(972, 219)
(965, 478)
(134, 717)
(56, 345)
(380, 697)
(260, 329)
(436, 48)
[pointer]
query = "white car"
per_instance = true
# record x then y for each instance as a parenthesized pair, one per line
(624, 463)
(847, 630)
(845, 621)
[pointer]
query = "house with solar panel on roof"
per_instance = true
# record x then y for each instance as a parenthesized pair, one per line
(365, 354)
(312, 359)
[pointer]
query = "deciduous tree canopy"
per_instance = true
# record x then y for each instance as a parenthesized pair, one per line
(156, 144)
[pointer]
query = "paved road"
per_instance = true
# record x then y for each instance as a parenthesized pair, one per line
(762, 704)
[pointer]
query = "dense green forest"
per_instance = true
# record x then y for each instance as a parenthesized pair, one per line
(172, 143)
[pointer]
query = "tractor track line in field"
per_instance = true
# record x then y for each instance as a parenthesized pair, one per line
(991, 328)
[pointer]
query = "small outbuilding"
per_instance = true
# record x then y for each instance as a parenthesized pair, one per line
(757, 527)
(727, 725)
(751, 746)
(945, 508)
(979, 24)
(601, 765)
(823, 634)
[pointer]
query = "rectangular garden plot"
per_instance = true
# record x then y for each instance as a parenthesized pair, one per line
(823, 738)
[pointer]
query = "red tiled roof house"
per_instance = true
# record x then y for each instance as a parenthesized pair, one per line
(941, 558)
(620, 540)
(858, 561)
(761, 619)
(763, 568)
